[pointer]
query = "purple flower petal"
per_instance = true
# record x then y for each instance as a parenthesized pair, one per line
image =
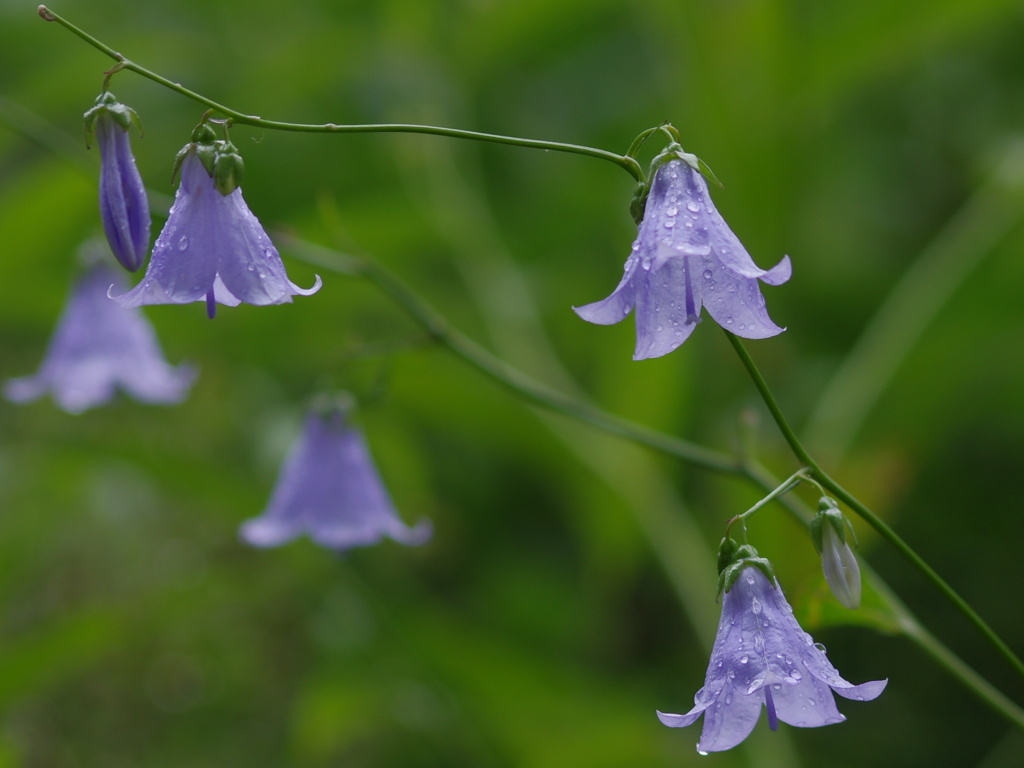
(98, 348)
(685, 256)
(761, 651)
(329, 489)
(212, 242)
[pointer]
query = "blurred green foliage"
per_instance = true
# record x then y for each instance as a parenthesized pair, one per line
(569, 589)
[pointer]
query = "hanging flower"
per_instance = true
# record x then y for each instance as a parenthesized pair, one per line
(831, 532)
(98, 348)
(212, 247)
(330, 490)
(684, 257)
(124, 207)
(762, 657)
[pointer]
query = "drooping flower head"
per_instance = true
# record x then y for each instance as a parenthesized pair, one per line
(124, 207)
(685, 257)
(100, 348)
(212, 247)
(762, 658)
(831, 533)
(329, 489)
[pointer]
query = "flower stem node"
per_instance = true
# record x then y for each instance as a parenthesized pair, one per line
(124, 207)
(831, 533)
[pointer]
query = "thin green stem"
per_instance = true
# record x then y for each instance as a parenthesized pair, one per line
(532, 391)
(506, 375)
(623, 161)
(783, 488)
(883, 529)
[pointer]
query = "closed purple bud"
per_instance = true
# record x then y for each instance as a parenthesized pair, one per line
(685, 257)
(762, 657)
(212, 249)
(329, 489)
(124, 207)
(99, 348)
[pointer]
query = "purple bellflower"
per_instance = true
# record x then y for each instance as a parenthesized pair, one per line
(212, 247)
(762, 657)
(329, 489)
(684, 257)
(124, 207)
(98, 348)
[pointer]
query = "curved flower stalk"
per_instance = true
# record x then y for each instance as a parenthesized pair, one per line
(98, 348)
(762, 657)
(124, 207)
(212, 249)
(329, 489)
(684, 257)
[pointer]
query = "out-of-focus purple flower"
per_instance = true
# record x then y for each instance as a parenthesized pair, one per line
(329, 489)
(685, 256)
(212, 249)
(98, 348)
(762, 657)
(124, 207)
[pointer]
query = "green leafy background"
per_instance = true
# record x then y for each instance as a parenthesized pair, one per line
(569, 588)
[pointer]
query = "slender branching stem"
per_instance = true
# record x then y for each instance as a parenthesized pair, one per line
(240, 118)
(884, 530)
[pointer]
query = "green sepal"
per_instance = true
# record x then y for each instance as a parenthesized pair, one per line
(673, 151)
(204, 134)
(639, 201)
(228, 167)
(220, 159)
(828, 512)
(733, 558)
(727, 553)
(107, 104)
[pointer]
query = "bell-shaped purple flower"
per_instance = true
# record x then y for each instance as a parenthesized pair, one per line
(684, 257)
(329, 489)
(124, 207)
(762, 657)
(212, 249)
(98, 348)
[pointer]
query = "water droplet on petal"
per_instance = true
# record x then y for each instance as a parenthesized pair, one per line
(183, 243)
(707, 274)
(669, 223)
(672, 211)
(728, 321)
(693, 207)
(744, 659)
